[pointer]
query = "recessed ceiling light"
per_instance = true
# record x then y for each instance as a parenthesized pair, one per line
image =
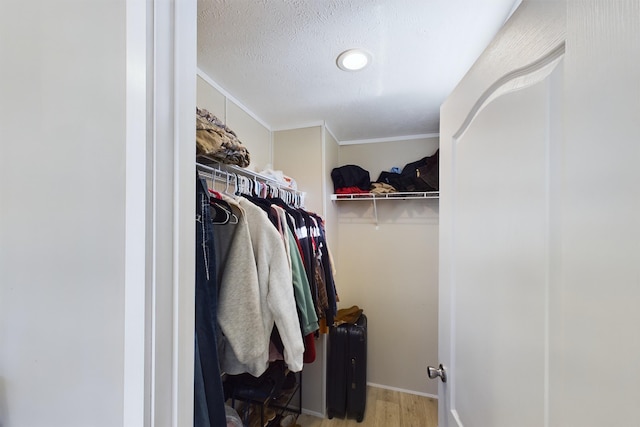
(353, 59)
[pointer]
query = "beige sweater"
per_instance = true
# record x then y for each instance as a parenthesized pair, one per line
(256, 292)
(276, 286)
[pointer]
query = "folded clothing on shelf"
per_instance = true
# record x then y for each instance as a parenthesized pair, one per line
(350, 177)
(382, 188)
(216, 142)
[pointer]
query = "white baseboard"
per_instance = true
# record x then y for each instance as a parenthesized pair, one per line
(418, 393)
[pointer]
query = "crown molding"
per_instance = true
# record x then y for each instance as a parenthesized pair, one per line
(390, 139)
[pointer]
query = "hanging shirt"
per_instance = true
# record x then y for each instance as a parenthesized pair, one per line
(302, 291)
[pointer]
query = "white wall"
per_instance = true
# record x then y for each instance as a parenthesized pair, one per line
(331, 160)
(251, 131)
(298, 153)
(62, 214)
(253, 135)
(382, 156)
(211, 99)
(392, 272)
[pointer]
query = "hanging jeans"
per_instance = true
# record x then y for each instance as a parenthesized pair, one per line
(208, 394)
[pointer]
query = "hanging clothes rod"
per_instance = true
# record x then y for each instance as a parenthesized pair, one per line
(240, 177)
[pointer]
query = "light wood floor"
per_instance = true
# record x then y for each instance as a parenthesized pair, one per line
(386, 408)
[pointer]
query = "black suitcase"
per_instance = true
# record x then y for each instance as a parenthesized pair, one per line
(347, 370)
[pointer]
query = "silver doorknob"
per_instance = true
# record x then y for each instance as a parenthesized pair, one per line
(437, 372)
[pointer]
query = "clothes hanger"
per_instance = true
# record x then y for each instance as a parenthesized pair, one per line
(224, 213)
(241, 185)
(221, 215)
(255, 187)
(235, 184)
(226, 187)
(273, 191)
(223, 205)
(249, 186)
(214, 194)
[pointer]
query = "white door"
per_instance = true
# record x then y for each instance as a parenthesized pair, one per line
(500, 262)
(539, 271)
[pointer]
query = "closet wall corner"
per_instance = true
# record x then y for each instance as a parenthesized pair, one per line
(309, 154)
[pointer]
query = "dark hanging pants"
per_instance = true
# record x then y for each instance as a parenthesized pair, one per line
(208, 394)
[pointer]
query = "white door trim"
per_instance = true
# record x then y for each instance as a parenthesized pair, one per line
(160, 199)
(135, 216)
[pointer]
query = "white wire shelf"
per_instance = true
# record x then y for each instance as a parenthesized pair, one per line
(233, 175)
(413, 195)
(388, 196)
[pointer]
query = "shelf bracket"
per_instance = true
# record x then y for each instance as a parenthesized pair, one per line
(375, 212)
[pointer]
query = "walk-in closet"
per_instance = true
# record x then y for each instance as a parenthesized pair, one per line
(509, 298)
(385, 250)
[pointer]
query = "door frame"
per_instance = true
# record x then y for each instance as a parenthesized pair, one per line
(159, 243)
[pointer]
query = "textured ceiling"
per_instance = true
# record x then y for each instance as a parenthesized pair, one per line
(277, 57)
